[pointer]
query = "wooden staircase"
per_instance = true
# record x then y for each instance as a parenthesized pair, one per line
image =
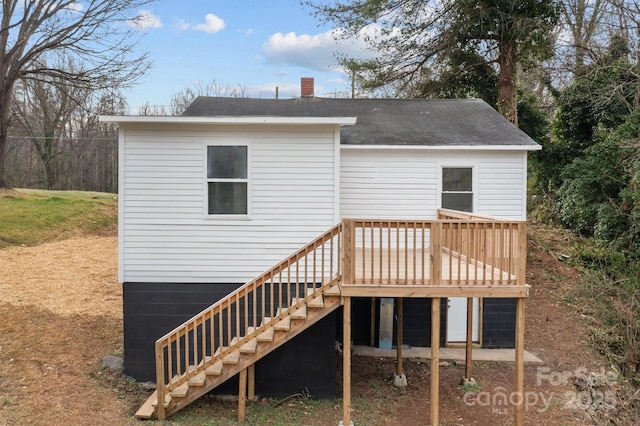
(229, 337)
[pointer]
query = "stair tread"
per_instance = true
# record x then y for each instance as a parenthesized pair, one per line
(316, 302)
(333, 291)
(148, 408)
(247, 348)
(265, 336)
(197, 380)
(181, 391)
(167, 400)
(231, 358)
(301, 312)
(215, 369)
(283, 325)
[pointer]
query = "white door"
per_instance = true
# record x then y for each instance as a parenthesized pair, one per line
(457, 319)
(457, 193)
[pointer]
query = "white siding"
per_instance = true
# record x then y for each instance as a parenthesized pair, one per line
(166, 236)
(405, 183)
(502, 184)
(385, 184)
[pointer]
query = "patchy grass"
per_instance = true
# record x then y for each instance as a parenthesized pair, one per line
(31, 217)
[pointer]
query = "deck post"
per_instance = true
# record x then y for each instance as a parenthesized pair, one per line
(346, 362)
(521, 257)
(348, 247)
(242, 395)
(435, 360)
(519, 379)
(160, 388)
(435, 269)
(372, 331)
(399, 336)
(252, 382)
(399, 379)
(469, 353)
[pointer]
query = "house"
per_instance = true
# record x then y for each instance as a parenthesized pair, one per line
(212, 199)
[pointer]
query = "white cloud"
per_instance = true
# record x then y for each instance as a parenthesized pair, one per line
(212, 24)
(316, 52)
(145, 20)
(246, 32)
(340, 80)
(181, 25)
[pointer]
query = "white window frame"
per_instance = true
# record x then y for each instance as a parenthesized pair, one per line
(474, 181)
(207, 180)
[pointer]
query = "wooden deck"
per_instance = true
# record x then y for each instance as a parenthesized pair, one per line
(413, 268)
(455, 255)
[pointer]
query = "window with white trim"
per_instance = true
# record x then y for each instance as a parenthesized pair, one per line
(227, 180)
(457, 188)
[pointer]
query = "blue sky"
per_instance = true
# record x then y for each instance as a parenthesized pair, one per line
(255, 44)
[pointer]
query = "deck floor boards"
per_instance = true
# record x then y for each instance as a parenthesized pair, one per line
(382, 266)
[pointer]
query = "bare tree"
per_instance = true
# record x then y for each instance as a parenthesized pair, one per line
(57, 141)
(98, 35)
(583, 19)
(41, 109)
(181, 100)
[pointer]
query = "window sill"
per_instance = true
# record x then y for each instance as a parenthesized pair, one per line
(227, 217)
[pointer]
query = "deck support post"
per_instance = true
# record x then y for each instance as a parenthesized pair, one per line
(252, 382)
(399, 335)
(242, 395)
(519, 379)
(346, 361)
(435, 360)
(399, 379)
(372, 332)
(469, 354)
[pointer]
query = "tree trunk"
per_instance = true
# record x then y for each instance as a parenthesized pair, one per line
(3, 156)
(5, 106)
(507, 96)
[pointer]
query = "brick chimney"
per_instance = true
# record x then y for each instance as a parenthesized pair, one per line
(306, 87)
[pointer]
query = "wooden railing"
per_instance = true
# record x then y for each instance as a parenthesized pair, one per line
(482, 249)
(386, 251)
(456, 249)
(235, 320)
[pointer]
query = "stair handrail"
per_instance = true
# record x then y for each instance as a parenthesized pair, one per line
(187, 332)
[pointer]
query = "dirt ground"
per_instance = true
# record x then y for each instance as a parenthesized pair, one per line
(61, 312)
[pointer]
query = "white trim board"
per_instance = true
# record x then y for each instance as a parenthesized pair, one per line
(447, 147)
(157, 119)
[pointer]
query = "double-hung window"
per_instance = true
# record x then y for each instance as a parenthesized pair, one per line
(227, 180)
(457, 188)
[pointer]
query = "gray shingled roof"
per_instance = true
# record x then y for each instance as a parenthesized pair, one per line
(433, 122)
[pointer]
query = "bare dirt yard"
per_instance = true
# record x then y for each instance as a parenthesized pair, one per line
(61, 313)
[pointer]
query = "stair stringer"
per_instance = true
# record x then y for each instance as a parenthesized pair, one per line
(331, 303)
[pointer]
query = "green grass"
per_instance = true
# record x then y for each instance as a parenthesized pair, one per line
(30, 217)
